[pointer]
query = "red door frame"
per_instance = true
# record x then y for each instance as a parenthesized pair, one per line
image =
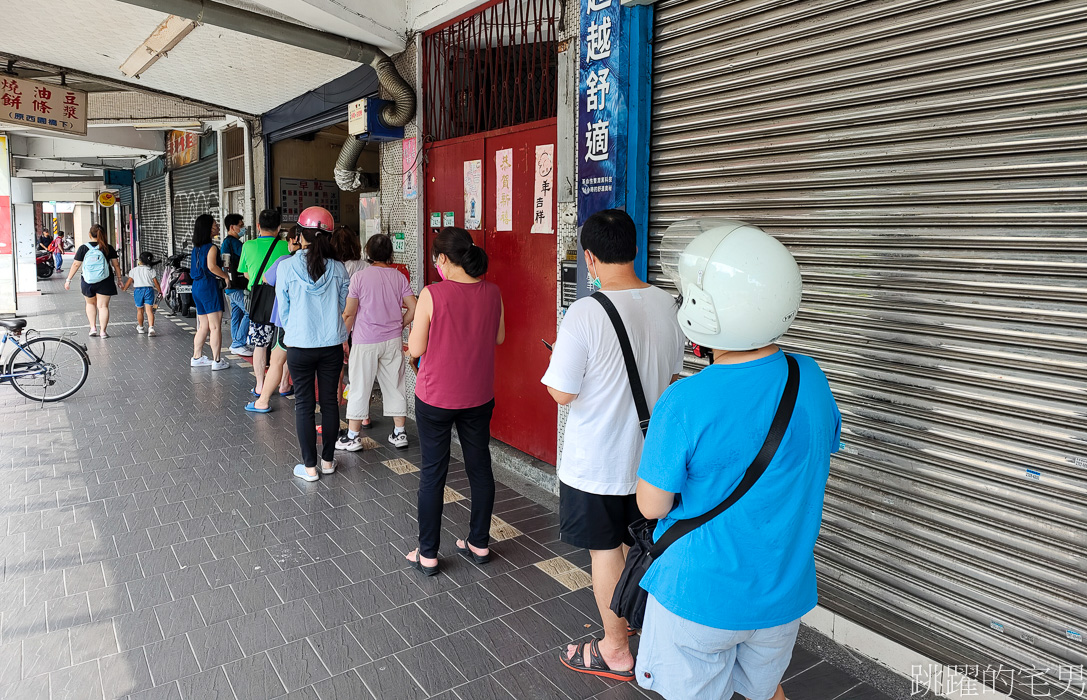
(523, 265)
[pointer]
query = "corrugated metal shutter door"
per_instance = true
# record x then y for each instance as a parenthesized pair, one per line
(151, 217)
(924, 162)
(195, 191)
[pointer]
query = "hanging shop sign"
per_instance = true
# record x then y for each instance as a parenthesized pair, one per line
(473, 190)
(107, 199)
(543, 198)
(296, 195)
(602, 109)
(182, 148)
(411, 180)
(42, 105)
(503, 190)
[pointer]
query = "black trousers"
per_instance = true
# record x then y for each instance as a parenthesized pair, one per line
(435, 427)
(316, 370)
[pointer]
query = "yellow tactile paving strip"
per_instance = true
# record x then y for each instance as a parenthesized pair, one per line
(501, 530)
(400, 466)
(566, 573)
(452, 495)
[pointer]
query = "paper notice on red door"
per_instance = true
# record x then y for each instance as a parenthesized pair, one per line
(503, 185)
(473, 191)
(411, 182)
(543, 196)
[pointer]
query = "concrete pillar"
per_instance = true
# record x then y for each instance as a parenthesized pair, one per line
(82, 216)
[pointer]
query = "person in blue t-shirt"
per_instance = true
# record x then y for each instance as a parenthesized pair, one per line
(725, 600)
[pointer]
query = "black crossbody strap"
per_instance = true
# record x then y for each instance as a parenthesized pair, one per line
(628, 357)
(762, 460)
(267, 256)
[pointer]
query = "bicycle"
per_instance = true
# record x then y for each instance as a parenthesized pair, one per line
(43, 368)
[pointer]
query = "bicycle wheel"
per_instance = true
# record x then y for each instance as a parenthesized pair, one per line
(48, 369)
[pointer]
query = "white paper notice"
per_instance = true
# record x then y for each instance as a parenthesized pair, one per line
(503, 185)
(473, 194)
(543, 197)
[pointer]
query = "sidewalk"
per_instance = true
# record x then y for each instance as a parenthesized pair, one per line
(156, 547)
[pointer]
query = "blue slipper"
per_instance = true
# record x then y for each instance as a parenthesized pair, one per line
(289, 392)
(252, 408)
(254, 393)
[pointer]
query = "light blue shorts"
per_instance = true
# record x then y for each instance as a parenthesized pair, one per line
(143, 296)
(681, 659)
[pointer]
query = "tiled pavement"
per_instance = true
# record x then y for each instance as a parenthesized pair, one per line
(155, 547)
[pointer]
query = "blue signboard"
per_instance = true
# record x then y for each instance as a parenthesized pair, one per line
(602, 109)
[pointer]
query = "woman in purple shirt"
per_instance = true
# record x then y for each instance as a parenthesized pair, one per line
(380, 304)
(458, 323)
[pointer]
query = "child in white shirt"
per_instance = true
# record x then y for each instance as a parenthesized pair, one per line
(142, 277)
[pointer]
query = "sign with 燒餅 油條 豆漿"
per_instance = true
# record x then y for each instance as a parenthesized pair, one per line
(42, 105)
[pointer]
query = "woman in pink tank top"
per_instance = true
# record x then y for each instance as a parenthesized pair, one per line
(458, 323)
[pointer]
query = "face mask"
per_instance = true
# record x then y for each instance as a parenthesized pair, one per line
(595, 280)
(242, 231)
(439, 269)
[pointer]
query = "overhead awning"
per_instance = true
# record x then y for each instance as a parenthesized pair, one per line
(320, 107)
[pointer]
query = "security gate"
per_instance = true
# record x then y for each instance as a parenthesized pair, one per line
(194, 191)
(151, 230)
(924, 162)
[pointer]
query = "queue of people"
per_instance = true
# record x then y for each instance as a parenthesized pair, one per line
(735, 457)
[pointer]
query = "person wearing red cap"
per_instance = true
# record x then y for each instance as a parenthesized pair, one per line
(311, 292)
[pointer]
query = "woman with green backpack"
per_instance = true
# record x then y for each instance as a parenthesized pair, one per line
(97, 282)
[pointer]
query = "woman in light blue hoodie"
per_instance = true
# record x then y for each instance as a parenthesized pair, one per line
(311, 288)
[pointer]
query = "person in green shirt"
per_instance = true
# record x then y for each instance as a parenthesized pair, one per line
(249, 263)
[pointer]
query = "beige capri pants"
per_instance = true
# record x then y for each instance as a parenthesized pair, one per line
(381, 361)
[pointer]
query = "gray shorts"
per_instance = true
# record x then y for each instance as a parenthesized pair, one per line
(681, 659)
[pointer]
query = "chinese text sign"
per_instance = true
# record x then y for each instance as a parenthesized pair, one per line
(602, 109)
(473, 191)
(411, 182)
(503, 190)
(543, 196)
(43, 106)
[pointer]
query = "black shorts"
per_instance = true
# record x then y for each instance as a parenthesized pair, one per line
(277, 339)
(592, 521)
(106, 287)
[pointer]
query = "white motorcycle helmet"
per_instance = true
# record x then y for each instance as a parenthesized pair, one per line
(741, 287)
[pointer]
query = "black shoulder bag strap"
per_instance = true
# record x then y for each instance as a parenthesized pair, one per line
(628, 357)
(762, 460)
(268, 255)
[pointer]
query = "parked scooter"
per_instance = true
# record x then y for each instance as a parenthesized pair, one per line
(176, 285)
(68, 242)
(46, 266)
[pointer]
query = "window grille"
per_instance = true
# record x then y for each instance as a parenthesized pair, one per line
(492, 69)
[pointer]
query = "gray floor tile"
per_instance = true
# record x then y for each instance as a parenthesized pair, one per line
(214, 645)
(291, 584)
(433, 671)
(338, 649)
(253, 678)
(45, 653)
(468, 656)
(179, 616)
(137, 629)
(256, 632)
(486, 688)
(76, 682)
(169, 691)
(256, 594)
(366, 598)
(70, 611)
(298, 665)
(149, 592)
(345, 686)
(92, 641)
(171, 659)
(332, 609)
(389, 680)
(218, 605)
(377, 636)
(124, 673)
(209, 685)
(295, 620)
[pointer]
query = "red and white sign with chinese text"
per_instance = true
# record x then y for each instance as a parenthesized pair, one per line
(296, 195)
(503, 161)
(43, 106)
(182, 148)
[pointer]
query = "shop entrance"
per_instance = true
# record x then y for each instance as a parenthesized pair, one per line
(522, 264)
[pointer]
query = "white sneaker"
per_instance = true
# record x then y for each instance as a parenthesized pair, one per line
(139, 329)
(348, 444)
(104, 334)
(244, 351)
(151, 331)
(219, 364)
(93, 333)
(201, 361)
(399, 440)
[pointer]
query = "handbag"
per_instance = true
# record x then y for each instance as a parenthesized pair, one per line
(629, 599)
(263, 296)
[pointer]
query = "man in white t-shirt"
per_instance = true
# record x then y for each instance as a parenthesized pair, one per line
(603, 441)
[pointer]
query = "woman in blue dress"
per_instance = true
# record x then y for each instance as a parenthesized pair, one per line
(206, 293)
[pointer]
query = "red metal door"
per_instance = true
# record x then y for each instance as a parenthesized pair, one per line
(522, 264)
(445, 189)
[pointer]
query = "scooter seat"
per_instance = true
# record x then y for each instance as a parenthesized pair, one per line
(13, 324)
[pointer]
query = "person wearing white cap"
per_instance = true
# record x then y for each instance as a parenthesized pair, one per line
(725, 599)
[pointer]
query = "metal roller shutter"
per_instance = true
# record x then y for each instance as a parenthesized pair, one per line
(151, 228)
(195, 191)
(924, 162)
